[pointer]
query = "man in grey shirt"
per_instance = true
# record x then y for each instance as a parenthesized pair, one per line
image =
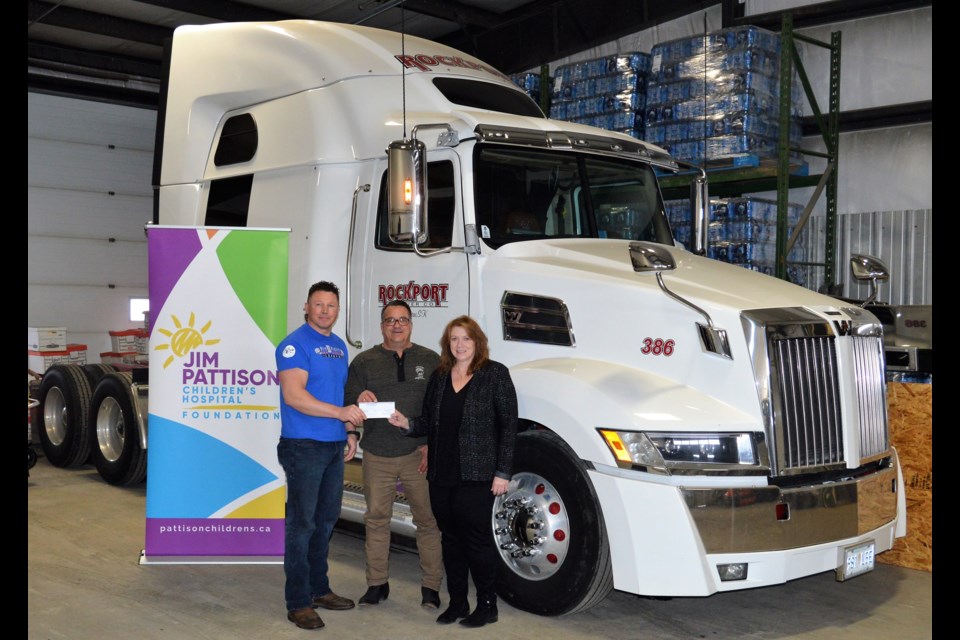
(395, 371)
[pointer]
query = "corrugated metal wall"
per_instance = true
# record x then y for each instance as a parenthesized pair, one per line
(901, 239)
(89, 195)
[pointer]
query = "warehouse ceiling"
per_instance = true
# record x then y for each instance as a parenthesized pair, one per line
(111, 50)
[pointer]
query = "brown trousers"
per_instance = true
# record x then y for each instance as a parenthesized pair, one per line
(382, 478)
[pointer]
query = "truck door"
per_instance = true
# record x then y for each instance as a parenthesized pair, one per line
(436, 287)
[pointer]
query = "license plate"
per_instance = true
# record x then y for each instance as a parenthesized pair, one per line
(857, 559)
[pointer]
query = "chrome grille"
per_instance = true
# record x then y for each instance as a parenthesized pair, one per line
(810, 428)
(872, 394)
(806, 370)
(821, 385)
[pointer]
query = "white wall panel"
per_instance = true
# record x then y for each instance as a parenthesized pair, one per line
(57, 164)
(78, 154)
(84, 214)
(70, 120)
(86, 262)
(884, 60)
(880, 170)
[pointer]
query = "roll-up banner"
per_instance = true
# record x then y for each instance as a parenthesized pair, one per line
(218, 308)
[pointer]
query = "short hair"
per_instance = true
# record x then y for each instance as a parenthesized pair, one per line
(395, 303)
(481, 352)
(324, 285)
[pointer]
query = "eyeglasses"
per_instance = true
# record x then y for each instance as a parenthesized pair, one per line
(392, 321)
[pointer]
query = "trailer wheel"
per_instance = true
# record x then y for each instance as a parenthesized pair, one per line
(96, 371)
(550, 532)
(115, 437)
(64, 407)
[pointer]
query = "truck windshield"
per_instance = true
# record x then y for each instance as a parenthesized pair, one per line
(531, 194)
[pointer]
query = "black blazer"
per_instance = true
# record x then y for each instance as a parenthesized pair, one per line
(488, 429)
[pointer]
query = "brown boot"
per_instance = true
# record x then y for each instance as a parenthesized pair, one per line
(305, 618)
(333, 602)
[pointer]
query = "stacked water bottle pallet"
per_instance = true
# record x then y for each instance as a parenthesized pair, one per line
(529, 82)
(715, 98)
(743, 231)
(607, 92)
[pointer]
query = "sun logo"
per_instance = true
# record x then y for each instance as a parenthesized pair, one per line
(185, 339)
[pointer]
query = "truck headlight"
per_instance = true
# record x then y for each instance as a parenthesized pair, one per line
(669, 452)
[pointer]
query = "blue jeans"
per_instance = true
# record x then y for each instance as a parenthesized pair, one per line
(314, 473)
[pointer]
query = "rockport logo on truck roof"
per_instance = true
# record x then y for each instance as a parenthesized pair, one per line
(423, 62)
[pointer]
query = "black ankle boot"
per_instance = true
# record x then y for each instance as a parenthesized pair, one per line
(454, 612)
(375, 594)
(485, 613)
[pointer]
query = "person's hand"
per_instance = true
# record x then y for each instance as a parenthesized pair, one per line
(352, 414)
(397, 419)
(367, 396)
(422, 468)
(351, 449)
(499, 486)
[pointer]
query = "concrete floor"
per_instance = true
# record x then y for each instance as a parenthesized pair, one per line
(85, 583)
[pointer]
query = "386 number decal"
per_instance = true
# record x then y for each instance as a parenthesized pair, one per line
(657, 347)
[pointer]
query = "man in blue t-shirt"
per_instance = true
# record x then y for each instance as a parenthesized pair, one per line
(314, 445)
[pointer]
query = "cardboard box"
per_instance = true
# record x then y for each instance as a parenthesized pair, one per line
(46, 339)
(120, 357)
(128, 340)
(40, 361)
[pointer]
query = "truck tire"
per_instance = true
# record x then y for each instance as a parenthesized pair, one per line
(550, 532)
(64, 411)
(96, 371)
(114, 434)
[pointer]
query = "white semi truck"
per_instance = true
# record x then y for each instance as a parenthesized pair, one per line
(688, 426)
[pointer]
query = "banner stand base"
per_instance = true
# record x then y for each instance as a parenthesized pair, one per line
(208, 559)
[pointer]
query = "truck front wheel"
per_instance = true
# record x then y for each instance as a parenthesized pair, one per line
(115, 436)
(64, 404)
(550, 532)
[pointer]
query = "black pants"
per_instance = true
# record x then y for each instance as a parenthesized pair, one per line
(463, 515)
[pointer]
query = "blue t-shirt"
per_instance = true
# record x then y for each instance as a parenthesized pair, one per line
(324, 358)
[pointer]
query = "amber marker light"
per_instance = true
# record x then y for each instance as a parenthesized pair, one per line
(616, 446)
(408, 191)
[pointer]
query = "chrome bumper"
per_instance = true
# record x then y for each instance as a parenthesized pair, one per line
(737, 520)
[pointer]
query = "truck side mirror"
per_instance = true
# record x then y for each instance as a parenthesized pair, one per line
(866, 267)
(406, 191)
(648, 257)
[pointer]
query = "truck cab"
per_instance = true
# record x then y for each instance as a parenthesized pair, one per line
(688, 426)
